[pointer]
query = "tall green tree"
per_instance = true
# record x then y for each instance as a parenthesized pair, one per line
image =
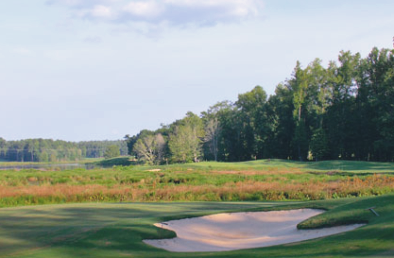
(185, 142)
(112, 151)
(375, 102)
(229, 133)
(341, 120)
(281, 123)
(251, 106)
(299, 86)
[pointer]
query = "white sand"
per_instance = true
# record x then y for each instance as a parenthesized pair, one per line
(232, 231)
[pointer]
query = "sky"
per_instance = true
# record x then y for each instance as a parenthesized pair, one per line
(80, 70)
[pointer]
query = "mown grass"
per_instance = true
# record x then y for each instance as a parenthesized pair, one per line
(321, 166)
(117, 229)
(209, 181)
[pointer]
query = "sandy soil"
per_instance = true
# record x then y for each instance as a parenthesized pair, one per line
(232, 231)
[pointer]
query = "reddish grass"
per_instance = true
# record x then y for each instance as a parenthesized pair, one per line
(247, 190)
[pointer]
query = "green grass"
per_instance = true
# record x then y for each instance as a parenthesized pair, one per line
(117, 229)
(321, 166)
(118, 161)
(206, 181)
(267, 164)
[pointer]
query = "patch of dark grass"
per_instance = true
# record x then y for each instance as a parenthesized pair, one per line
(119, 161)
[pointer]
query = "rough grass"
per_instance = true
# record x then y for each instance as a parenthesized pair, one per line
(246, 181)
(117, 230)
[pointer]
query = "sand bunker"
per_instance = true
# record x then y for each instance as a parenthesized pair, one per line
(232, 231)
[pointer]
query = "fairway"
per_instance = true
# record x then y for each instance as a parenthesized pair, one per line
(117, 229)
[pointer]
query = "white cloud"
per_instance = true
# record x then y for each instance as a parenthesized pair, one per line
(101, 11)
(81, 3)
(230, 7)
(209, 12)
(144, 8)
(171, 12)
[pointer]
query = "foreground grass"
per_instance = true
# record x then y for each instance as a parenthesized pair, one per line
(117, 229)
(260, 180)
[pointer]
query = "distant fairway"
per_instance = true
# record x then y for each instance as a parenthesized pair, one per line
(117, 229)
(321, 166)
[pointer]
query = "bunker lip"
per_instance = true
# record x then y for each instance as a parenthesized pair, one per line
(242, 230)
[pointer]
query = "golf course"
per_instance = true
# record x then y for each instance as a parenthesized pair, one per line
(78, 213)
(196, 128)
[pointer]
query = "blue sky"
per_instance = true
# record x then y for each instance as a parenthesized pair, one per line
(100, 69)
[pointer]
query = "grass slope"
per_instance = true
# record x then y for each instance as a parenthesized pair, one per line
(117, 229)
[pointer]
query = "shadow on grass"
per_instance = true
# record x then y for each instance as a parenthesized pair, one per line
(119, 161)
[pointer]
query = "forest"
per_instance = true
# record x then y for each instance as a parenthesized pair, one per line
(48, 150)
(344, 111)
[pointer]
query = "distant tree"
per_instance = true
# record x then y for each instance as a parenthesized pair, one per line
(130, 141)
(160, 147)
(299, 85)
(280, 118)
(112, 151)
(342, 118)
(185, 142)
(254, 126)
(212, 136)
(3, 148)
(150, 148)
(145, 149)
(319, 145)
(230, 125)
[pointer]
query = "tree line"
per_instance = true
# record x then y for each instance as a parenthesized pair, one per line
(342, 111)
(48, 150)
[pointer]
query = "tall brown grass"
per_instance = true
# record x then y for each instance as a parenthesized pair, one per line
(231, 191)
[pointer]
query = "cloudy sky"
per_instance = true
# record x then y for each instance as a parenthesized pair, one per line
(100, 69)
